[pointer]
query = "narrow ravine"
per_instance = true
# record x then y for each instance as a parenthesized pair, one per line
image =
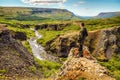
(37, 49)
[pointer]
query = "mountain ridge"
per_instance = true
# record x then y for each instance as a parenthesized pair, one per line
(33, 13)
(107, 14)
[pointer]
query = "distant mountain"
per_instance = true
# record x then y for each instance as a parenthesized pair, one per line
(107, 14)
(27, 13)
(86, 17)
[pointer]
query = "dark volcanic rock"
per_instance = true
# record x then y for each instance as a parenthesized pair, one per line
(5, 36)
(24, 25)
(52, 26)
(20, 35)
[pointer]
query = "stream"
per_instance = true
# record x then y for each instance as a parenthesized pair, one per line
(37, 49)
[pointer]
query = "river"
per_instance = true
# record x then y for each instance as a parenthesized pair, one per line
(37, 49)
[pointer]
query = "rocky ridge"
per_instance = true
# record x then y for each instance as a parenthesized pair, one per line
(82, 68)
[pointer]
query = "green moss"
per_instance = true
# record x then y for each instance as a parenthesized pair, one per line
(3, 71)
(2, 77)
(82, 78)
(27, 46)
(33, 69)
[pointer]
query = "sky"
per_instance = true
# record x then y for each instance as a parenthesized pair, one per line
(78, 7)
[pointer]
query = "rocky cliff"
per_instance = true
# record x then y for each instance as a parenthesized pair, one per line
(15, 60)
(102, 43)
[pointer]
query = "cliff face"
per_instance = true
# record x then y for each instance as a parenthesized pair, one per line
(101, 43)
(15, 60)
(108, 43)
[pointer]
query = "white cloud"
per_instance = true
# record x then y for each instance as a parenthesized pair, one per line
(43, 2)
(78, 3)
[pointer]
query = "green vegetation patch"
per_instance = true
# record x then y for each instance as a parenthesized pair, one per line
(27, 46)
(2, 71)
(47, 68)
(28, 32)
(113, 65)
(33, 69)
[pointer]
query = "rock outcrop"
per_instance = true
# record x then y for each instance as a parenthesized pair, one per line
(19, 35)
(24, 25)
(15, 60)
(62, 44)
(52, 26)
(108, 43)
(82, 68)
(102, 43)
(77, 68)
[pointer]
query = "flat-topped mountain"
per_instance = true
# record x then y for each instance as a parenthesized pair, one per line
(27, 13)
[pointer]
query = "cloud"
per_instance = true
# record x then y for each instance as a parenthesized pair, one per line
(43, 2)
(78, 3)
